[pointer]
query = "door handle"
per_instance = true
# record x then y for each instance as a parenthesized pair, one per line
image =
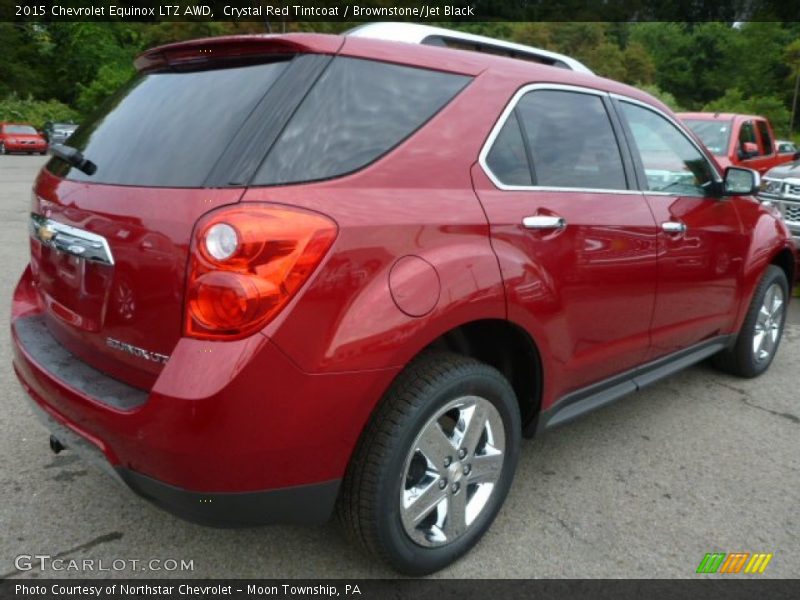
(544, 222)
(673, 227)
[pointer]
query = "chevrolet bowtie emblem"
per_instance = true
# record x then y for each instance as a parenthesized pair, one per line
(47, 233)
(71, 240)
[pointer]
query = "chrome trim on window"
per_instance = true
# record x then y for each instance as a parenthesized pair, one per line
(70, 240)
(487, 145)
(512, 104)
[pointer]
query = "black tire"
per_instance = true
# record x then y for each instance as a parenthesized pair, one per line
(740, 359)
(369, 503)
(2, 148)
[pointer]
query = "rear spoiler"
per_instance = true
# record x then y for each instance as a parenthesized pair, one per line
(206, 51)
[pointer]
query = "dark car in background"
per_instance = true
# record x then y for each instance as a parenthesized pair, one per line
(21, 137)
(57, 132)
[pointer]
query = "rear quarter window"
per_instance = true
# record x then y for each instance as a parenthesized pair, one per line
(169, 129)
(357, 111)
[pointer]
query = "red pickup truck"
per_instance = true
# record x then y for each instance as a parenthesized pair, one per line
(737, 140)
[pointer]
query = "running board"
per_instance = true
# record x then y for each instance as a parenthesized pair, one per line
(583, 401)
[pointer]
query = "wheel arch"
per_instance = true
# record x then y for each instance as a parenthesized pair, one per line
(785, 259)
(508, 348)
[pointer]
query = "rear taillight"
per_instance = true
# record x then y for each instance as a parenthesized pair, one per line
(247, 262)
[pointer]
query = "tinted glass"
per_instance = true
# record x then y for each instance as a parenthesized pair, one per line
(507, 159)
(714, 134)
(356, 112)
(671, 162)
(168, 129)
(20, 129)
(766, 138)
(571, 141)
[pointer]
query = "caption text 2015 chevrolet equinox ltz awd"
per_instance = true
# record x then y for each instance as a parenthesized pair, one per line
(278, 278)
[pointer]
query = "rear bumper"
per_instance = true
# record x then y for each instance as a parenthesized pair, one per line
(232, 433)
(25, 147)
(300, 504)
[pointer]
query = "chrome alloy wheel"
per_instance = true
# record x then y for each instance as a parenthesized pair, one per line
(451, 470)
(768, 323)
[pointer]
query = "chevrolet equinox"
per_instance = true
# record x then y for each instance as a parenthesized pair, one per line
(278, 278)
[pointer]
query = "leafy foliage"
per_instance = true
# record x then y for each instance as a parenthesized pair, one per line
(28, 110)
(770, 107)
(665, 97)
(733, 67)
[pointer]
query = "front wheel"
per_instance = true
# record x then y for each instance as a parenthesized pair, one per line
(760, 336)
(434, 465)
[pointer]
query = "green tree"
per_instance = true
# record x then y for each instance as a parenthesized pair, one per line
(639, 66)
(35, 112)
(792, 57)
(669, 46)
(21, 69)
(662, 95)
(771, 107)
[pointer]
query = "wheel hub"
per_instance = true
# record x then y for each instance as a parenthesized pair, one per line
(455, 471)
(461, 450)
(768, 323)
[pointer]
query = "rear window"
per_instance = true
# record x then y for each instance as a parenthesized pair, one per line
(357, 111)
(295, 120)
(169, 129)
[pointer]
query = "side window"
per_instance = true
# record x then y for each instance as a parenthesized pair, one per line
(571, 140)
(766, 139)
(747, 135)
(671, 162)
(508, 160)
(358, 111)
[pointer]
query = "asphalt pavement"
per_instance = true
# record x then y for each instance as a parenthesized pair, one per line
(701, 462)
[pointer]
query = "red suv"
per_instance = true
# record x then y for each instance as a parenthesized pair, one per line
(279, 277)
(19, 137)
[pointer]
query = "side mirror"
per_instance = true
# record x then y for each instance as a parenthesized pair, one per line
(741, 182)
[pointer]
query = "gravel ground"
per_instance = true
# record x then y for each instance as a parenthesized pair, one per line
(698, 463)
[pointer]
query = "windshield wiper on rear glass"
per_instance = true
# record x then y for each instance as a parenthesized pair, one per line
(74, 157)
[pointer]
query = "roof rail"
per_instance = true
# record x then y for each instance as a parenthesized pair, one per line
(437, 36)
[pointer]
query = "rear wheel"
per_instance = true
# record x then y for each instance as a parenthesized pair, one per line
(434, 465)
(762, 329)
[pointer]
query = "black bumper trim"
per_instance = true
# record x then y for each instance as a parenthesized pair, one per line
(50, 355)
(306, 504)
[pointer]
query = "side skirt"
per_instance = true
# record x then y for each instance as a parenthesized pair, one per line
(578, 403)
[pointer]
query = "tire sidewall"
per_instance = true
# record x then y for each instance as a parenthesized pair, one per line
(404, 553)
(754, 368)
